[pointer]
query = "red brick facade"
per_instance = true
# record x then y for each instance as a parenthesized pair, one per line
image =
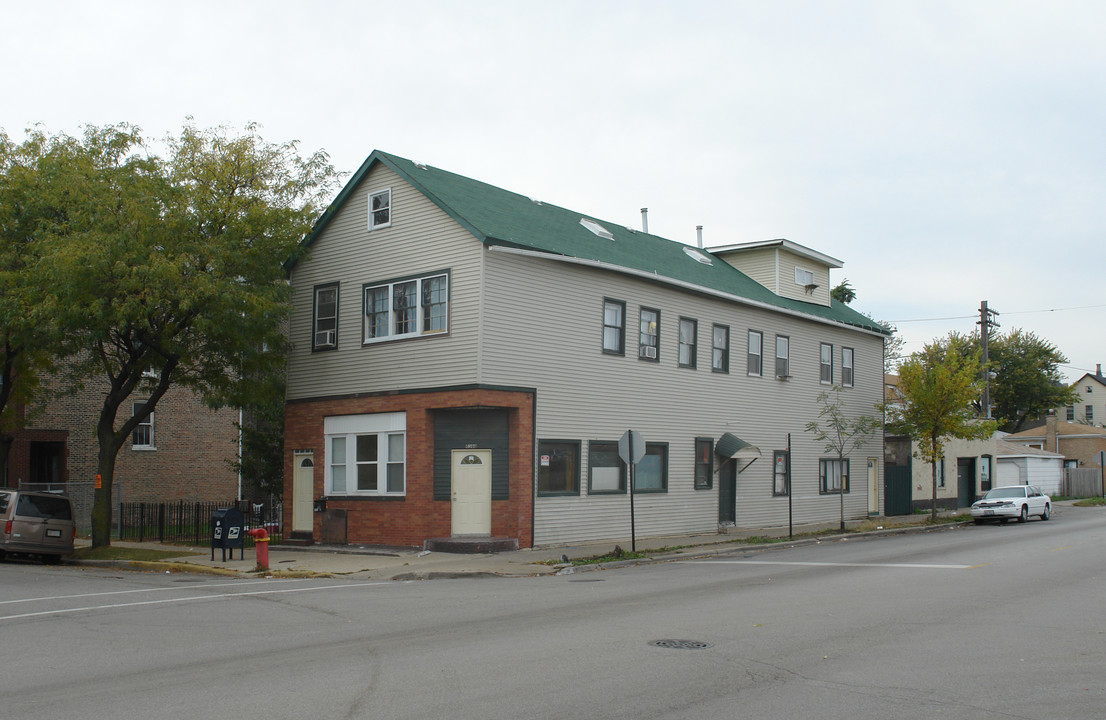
(193, 447)
(417, 516)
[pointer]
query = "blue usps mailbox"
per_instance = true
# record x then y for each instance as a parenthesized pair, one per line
(227, 532)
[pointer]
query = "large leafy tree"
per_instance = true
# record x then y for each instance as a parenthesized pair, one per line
(1027, 378)
(168, 271)
(939, 385)
(25, 331)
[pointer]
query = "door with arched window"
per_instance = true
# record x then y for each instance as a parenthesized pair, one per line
(303, 487)
(471, 492)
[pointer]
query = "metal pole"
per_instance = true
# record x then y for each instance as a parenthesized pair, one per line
(633, 528)
(787, 479)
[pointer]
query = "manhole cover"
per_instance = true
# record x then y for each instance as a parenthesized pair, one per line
(681, 644)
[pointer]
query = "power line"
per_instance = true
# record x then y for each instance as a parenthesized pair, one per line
(1013, 312)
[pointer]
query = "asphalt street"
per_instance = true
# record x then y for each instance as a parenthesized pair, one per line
(975, 622)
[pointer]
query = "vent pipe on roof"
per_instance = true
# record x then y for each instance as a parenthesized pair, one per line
(645, 220)
(1098, 372)
(699, 233)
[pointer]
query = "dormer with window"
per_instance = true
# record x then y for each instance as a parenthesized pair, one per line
(786, 268)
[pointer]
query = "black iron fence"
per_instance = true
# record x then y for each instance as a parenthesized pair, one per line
(190, 522)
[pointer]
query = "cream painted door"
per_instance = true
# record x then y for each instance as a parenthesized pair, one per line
(303, 486)
(471, 497)
(873, 486)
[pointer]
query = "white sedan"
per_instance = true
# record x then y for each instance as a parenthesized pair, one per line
(1012, 501)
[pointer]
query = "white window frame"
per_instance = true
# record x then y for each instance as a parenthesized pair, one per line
(145, 427)
(825, 363)
(847, 359)
(385, 207)
(783, 361)
(804, 277)
(324, 339)
(418, 326)
(759, 354)
(389, 430)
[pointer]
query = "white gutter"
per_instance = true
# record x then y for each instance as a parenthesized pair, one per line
(655, 277)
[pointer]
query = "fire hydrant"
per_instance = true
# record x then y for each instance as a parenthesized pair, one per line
(261, 543)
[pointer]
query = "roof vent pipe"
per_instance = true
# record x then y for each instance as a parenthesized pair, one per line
(699, 233)
(1098, 372)
(645, 220)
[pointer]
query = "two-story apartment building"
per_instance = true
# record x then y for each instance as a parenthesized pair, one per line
(466, 360)
(1090, 407)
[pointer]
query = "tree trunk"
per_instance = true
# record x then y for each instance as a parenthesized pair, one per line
(933, 472)
(105, 474)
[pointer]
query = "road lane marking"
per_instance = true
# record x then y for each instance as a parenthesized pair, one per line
(834, 564)
(194, 598)
(144, 590)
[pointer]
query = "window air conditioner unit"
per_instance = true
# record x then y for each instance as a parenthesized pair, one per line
(651, 353)
(324, 339)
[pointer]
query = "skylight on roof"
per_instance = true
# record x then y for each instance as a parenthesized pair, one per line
(697, 255)
(597, 228)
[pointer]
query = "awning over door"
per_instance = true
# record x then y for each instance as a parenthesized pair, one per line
(734, 448)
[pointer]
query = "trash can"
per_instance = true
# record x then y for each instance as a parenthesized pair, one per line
(227, 532)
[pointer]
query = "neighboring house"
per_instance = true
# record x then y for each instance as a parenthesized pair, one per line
(1090, 407)
(966, 472)
(1019, 464)
(1078, 443)
(182, 452)
(466, 360)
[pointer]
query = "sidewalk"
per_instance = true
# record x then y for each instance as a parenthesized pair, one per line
(385, 563)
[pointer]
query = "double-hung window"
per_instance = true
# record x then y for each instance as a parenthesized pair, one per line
(324, 325)
(606, 472)
(380, 208)
(720, 349)
(847, 367)
(407, 308)
(756, 351)
(649, 335)
(1090, 413)
(689, 336)
(366, 454)
(651, 474)
(825, 364)
(940, 472)
(833, 474)
(142, 437)
(614, 327)
(783, 353)
(704, 463)
(558, 467)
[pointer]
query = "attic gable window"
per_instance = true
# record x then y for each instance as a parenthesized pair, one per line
(597, 228)
(380, 209)
(804, 277)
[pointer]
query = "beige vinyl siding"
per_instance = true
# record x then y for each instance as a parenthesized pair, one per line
(790, 289)
(760, 265)
(543, 328)
(422, 239)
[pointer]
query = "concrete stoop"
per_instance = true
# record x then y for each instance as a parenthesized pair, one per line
(471, 545)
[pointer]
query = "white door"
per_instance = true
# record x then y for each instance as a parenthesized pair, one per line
(471, 506)
(873, 486)
(303, 486)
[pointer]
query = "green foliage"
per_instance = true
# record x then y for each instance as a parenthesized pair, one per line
(1028, 381)
(840, 433)
(939, 385)
(843, 292)
(161, 272)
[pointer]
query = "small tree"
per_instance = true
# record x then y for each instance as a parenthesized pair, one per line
(938, 386)
(840, 433)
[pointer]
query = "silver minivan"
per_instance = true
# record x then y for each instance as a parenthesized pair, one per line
(35, 523)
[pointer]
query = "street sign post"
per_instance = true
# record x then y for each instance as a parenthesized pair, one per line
(631, 449)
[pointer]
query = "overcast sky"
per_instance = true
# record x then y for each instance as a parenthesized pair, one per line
(945, 152)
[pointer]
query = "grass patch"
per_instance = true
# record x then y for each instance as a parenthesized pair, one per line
(112, 552)
(1090, 502)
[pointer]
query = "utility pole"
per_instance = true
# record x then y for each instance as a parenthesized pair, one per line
(986, 322)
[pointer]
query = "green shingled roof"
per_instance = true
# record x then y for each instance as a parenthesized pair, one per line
(500, 217)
